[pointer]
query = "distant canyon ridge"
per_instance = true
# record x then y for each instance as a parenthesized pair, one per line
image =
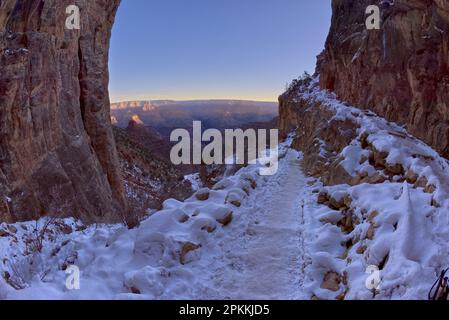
(164, 116)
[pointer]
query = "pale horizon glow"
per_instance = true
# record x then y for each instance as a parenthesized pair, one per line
(118, 99)
(213, 50)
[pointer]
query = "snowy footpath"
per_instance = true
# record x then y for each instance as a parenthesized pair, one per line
(261, 256)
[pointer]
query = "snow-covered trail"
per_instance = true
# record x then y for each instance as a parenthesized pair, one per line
(257, 256)
(262, 256)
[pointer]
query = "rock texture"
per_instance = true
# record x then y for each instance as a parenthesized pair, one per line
(318, 134)
(57, 150)
(401, 71)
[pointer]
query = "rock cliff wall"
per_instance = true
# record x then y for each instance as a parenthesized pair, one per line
(401, 71)
(57, 150)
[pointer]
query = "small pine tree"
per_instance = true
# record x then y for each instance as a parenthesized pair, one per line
(304, 79)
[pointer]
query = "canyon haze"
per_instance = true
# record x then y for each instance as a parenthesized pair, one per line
(167, 115)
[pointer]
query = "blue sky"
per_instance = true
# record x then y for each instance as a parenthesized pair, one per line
(213, 49)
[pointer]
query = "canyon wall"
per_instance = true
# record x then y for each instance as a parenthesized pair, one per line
(57, 150)
(401, 71)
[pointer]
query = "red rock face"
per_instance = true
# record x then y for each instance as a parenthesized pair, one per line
(401, 71)
(57, 151)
